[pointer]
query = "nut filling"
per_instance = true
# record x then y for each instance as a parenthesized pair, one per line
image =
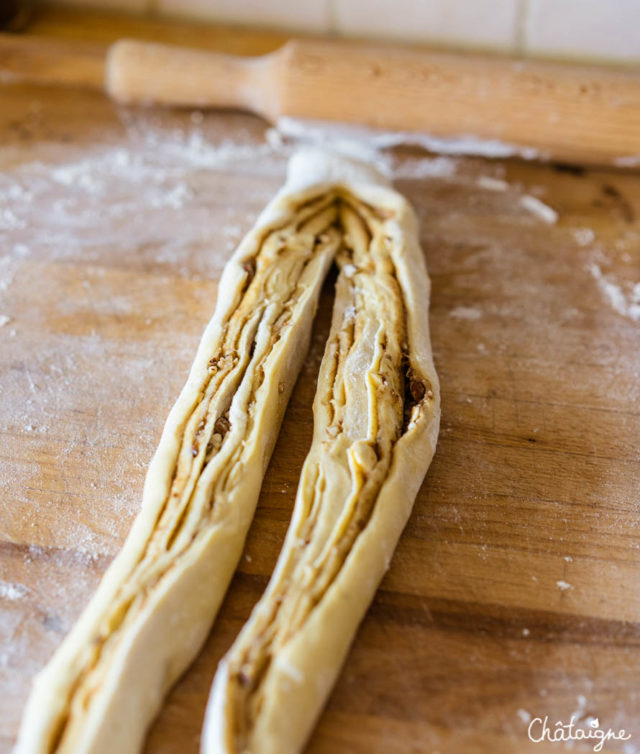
(368, 396)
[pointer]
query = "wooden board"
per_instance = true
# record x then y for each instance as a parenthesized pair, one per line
(514, 592)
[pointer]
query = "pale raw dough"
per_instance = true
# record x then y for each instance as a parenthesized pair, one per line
(155, 605)
(376, 417)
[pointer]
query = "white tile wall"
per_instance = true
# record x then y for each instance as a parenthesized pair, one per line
(590, 30)
(485, 24)
(296, 15)
(583, 29)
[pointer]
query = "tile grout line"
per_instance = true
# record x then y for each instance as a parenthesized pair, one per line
(522, 17)
(331, 17)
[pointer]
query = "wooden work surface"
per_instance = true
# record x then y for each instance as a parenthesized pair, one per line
(515, 589)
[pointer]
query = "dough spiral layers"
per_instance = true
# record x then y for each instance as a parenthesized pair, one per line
(377, 390)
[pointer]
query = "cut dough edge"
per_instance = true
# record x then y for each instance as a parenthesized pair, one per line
(176, 614)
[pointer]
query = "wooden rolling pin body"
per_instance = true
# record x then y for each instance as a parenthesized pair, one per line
(572, 113)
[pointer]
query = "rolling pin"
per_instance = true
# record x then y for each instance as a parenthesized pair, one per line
(562, 112)
(568, 113)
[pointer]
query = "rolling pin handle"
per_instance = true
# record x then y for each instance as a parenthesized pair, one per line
(145, 72)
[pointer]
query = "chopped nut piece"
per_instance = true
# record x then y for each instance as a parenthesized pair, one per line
(417, 391)
(222, 426)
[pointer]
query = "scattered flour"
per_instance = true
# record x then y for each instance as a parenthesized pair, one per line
(626, 304)
(9, 220)
(539, 208)
(628, 161)
(524, 716)
(425, 167)
(157, 163)
(4, 319)
(232, 230)
(584, 236)
(70, 200)
(12, 592)
(563, 585)
(492, 184)
(582, 706)
(274, 138)
(465, 312)
(174, 198)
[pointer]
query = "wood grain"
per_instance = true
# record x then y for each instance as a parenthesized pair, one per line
(536, 477)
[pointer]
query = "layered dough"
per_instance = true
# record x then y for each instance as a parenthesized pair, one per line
(376, 417)
(376, 414)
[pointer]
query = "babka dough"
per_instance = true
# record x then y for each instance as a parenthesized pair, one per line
(376, 416)
(376, 422)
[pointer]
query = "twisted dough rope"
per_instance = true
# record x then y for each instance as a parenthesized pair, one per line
(376, 414)
(157, 601)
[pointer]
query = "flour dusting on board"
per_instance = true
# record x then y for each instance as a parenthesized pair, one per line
(627, 161)
(625, 301)
(492, 184)
(12, 591)
(539, 208)
(465, 312)
(584, 236)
